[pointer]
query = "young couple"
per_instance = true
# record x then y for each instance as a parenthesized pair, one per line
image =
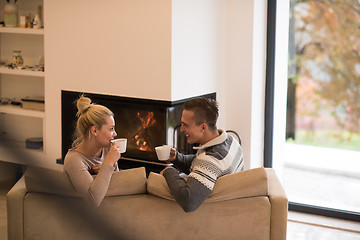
(218, 154)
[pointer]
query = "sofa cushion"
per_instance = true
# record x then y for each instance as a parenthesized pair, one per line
(248, 183)
(127, 182)
(124, 182)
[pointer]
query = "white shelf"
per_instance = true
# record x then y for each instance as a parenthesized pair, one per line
(16, 152)
(25, 72)
(22, 30)
(16, 110)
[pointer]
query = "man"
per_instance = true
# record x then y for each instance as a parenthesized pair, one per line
(219, 154)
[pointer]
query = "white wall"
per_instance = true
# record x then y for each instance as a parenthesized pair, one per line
(194, 47)
(159, 49)
(243, 98)
(117, 47)
(258, 83)
(226, 40)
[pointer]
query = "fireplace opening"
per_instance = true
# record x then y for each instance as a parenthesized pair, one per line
(145, 123)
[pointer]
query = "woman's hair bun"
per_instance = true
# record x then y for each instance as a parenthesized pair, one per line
(83, 104)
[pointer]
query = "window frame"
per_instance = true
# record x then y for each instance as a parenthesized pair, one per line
(269, 120)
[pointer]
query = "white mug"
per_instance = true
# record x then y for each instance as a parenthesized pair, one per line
(120, 143)
(163, 152)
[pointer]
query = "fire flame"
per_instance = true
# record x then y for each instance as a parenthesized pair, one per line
(140, 136)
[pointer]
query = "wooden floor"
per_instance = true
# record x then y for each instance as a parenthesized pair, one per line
(311, 227)
(301, 231)
(300, 226)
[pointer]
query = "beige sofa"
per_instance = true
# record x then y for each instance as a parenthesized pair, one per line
(247, 205)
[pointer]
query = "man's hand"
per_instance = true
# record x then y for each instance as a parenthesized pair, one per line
(172, 155)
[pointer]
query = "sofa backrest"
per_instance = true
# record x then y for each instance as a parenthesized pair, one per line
(248, 183)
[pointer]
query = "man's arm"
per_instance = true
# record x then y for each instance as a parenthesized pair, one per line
(189, 194)
(183, 162)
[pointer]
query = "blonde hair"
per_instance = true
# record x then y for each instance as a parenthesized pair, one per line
(89, 114)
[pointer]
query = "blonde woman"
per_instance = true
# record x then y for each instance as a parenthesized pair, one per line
(92, 151)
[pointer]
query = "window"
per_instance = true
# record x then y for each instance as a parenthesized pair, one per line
(312, 117)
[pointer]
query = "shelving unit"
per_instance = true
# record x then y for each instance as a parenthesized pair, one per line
(26, 72)
(15, 152)
(21, 30)
(16, 123)
(17, 110)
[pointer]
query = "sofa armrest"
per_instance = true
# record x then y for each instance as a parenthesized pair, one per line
(15, 210)
(279, 206)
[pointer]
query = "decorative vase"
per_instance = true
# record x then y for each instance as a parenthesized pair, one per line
(10, 14)
(17, 60)
(37, 22)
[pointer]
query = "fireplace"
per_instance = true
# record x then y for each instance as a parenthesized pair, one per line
(145, 123)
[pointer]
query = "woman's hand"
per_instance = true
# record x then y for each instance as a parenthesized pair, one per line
(112, 156)
(96, 168)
